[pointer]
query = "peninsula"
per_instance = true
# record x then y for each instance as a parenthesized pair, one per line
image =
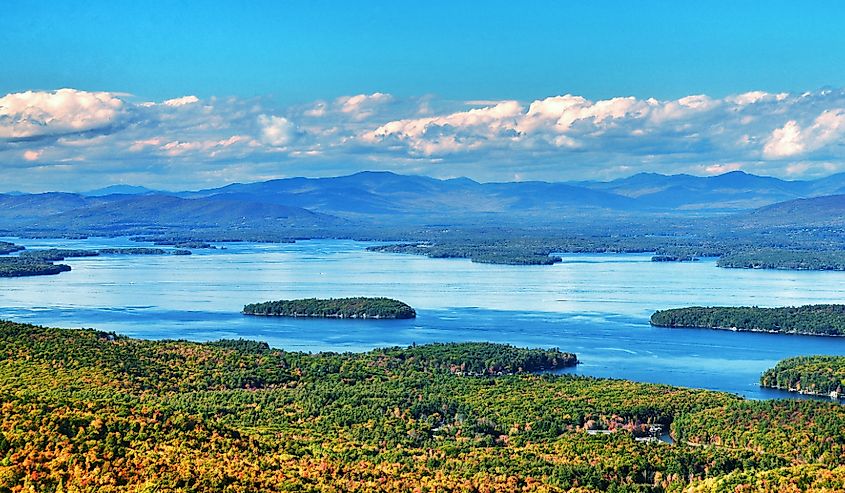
(359, 307)
(814, 375)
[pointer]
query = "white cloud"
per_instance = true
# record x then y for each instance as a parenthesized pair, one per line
(566, 111)
(718, 169)
(182, 101)
(32, 114)
(140, 145)
(463, 130)
(361, 106)
(558, 137)
(31, 155)
(316, 111)
(785, 141)
(276, 131)
(791, 140)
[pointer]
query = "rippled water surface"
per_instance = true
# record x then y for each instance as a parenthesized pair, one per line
(594, 305)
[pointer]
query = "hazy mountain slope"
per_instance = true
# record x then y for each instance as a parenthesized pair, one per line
(125, 212)
(829, 185)
(818, 211)
(26, 207)
(382, 193)
(167, 210)
(736, 190)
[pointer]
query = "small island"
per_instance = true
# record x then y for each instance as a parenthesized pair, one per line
(6, 247)
(814, 375)
(674, 258)
(481, 254)
(55, 254)
(360, 307)
(142, 251)
(23, 267)
(819, 320)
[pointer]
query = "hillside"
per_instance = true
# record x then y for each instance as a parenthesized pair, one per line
(85, 410)
(818, 211)
(130, 213)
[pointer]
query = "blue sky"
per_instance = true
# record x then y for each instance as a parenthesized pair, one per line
(258, 67)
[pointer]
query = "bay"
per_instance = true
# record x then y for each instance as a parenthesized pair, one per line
(596, 305)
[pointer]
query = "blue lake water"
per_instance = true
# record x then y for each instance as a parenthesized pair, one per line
(597, 306)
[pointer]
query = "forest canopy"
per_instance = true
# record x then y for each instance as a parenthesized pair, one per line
(358, 307)
(827, 320)
(820, 375)
(22, 267)
(96, 411)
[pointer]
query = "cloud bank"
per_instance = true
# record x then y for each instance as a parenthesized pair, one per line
(75, 139)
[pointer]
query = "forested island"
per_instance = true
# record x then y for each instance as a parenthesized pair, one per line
(674, 258)
(751, 252)
(56, 254)
(23, 267)
(359, 307)
(475, 253)
(771, 258)
(822, 320)
(41, 262)
(817, 375)
(6, 248)
(85, 410)
(142, 251)
(193, 245)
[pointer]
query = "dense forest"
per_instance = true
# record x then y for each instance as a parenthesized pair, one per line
(820, 375)
(826, 320)
(359, 307)
(22, 267)
(6, 247)
(95, 411)
(771, 258)
(56, 254)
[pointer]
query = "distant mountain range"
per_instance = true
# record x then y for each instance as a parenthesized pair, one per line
(382, 194)
(732, 191)
(388, 198)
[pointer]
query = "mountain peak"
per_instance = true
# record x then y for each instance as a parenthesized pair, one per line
(121, 189)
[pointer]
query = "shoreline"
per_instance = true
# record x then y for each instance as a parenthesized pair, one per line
(333, 315)
(837, 398)
(736, 329)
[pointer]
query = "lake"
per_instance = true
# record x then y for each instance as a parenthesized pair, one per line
(596, 305)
